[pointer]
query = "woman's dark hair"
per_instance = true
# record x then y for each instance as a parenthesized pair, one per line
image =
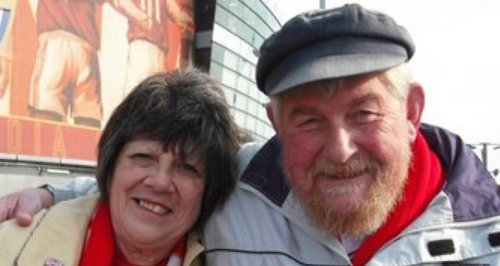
(186, 111)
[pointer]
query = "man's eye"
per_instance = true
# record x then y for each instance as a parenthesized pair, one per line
(308, 123)
(365, 115)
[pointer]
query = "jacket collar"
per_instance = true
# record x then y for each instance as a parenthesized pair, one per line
(194, 250)
(472, 191)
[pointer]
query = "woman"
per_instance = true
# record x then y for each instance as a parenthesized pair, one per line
(165, 162)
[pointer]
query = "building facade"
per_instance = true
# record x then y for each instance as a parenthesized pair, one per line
(233, 38)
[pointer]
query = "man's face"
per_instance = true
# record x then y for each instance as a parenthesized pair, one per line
(346, 152)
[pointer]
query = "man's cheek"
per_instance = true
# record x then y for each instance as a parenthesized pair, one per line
(300, 153)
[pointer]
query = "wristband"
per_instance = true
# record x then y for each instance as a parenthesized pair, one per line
(49, 188)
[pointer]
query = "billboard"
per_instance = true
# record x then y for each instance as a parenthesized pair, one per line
(65, 65)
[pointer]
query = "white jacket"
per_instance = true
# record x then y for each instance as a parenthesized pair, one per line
(263, 223)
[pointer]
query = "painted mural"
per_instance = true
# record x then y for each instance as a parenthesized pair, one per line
(66, 64)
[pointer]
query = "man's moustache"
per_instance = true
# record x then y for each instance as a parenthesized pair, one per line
(355, 166)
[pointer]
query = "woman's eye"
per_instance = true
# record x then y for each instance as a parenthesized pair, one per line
(189, 167)
(142, 159)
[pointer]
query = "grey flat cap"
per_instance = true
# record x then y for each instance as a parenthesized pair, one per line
(328, 44)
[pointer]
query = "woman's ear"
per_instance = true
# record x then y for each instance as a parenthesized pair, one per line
(414, 108)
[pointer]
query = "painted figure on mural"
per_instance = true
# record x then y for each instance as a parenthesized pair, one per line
(185, 54)
(4, 73)
(148, 39)
(66, 77)
(5, 58)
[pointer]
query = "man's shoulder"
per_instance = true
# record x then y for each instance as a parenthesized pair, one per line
(246, 153)
(252, 230)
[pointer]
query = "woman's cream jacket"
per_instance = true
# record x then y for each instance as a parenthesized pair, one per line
(57, 235)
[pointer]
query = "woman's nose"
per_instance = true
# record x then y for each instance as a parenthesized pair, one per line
(161, 181)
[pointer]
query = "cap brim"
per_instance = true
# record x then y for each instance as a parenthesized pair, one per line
(332, 60)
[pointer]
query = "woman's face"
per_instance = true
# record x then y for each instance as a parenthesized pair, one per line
(155, 197)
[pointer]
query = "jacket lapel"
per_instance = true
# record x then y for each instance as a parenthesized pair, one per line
(58, 237)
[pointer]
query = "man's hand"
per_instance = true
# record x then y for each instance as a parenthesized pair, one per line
(24, 204)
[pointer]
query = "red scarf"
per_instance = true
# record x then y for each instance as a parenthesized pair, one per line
(99, 248)
(425, 180)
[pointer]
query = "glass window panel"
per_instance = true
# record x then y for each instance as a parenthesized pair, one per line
(216, 71)
(250, 123)
(228, 78)
(242, 84)
(245, 68)
(254, 92)
(217, 53)
(230, 60)
(239, 117)
(241, 101)
(253, 107)
(260, 128)
(230, 96)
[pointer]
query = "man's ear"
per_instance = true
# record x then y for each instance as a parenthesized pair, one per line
(270, 114)
(414, 108)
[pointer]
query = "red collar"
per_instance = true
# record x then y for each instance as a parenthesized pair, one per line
(425, 180)
(99, 248)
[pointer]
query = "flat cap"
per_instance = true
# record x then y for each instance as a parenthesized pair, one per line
(328, 44)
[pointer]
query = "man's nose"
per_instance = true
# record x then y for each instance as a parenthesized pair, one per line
(340, 145)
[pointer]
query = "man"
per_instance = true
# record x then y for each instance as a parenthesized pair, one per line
(352, 177)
